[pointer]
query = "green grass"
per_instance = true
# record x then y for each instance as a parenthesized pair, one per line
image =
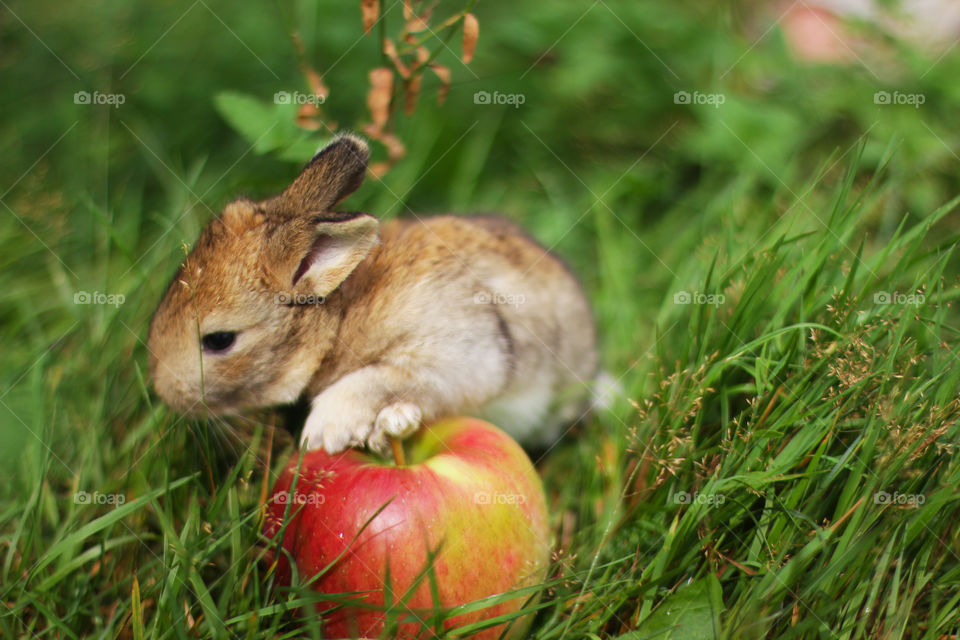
(737, 487)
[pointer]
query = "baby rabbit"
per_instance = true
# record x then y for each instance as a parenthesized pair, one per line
(383, 327)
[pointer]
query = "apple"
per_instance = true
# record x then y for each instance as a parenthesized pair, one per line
(468, 495)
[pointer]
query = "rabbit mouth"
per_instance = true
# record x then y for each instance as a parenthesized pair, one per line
(219, 403)
(196, 403)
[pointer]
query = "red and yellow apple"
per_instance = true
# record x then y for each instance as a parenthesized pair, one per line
(468, 496)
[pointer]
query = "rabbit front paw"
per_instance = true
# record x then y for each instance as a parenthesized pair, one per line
(397, 420)
(336, 428)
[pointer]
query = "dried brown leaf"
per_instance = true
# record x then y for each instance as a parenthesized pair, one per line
(411, 91)
(395, 150)
(370, 10)
(191, 623)
(415, 23)
(443, 73)
(308, 117)
(471, 31)
(390, 50)
(378, 169)
(378, 99)
(315, 80)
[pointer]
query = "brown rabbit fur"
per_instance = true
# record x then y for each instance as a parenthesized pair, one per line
(382, 328)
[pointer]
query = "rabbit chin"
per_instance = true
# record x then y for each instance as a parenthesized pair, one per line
(223, 402)
(195, 404)
(231, 402)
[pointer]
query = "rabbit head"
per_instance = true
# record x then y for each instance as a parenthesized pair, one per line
(255, 305)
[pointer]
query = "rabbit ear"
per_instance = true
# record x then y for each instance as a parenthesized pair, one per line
(315, 256)
(336, 171)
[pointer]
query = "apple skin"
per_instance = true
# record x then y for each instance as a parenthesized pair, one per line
(468, 489)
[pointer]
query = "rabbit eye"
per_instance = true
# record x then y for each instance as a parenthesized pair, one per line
(219, 340)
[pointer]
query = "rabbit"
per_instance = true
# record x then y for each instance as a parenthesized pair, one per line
(382, 327)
